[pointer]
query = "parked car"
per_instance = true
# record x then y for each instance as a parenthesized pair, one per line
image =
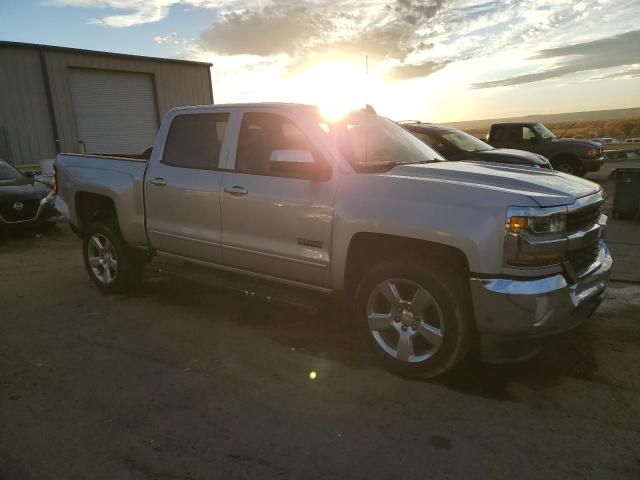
(618, 155)
(432, 257)
(576, 157)
(606, 140)
(456, 145)
(23, 200)
(633, 140)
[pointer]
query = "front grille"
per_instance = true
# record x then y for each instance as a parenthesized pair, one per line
(583, 218)
(28, 211)
(582, 258)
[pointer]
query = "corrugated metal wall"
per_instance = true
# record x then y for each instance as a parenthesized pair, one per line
(26, 134)
(23, 101)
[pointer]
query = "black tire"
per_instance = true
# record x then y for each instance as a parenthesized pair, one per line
(568, 165)
(130, 264)
(451, 293)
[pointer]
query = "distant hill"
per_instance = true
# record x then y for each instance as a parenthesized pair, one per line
(596, 115)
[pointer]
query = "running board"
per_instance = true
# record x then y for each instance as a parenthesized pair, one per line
(255, 289)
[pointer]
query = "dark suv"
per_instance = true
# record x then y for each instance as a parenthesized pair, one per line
(458, 145)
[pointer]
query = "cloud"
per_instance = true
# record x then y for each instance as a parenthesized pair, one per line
(313, 30)
(268, 31)
(608, 52)
(137, 11)
(407, 71)
(168, 39)
(627, 73)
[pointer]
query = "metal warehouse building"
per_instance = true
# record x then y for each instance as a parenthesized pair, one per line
(55, 99)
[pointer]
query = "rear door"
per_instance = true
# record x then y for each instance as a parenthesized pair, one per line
(183, 185)
(272, 224)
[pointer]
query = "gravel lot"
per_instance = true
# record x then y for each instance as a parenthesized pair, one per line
(181, 382)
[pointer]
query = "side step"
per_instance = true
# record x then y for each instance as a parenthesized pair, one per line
(256, 289)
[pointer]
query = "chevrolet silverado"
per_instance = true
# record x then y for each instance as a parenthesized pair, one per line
(434, 258)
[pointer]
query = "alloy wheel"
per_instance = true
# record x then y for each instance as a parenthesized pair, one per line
(102, 259)
(405, 320)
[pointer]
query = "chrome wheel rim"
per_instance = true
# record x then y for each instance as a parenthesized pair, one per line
(405, 320)
(102, 259)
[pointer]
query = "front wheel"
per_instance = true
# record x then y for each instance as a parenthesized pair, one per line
(568, 165)
(415, 315)
(111, 264)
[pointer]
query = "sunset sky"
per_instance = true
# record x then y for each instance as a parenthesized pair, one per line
(429, 60)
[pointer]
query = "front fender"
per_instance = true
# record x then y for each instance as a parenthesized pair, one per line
(464, 218)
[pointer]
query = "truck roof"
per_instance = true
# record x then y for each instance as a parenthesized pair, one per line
(514, 123)
(284, 105)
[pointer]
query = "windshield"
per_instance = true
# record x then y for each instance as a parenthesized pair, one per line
(466, 142)
(369, 141)
(8, 172)
(543, 131)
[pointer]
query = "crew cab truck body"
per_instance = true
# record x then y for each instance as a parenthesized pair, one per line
(576, 157)
(434, 258)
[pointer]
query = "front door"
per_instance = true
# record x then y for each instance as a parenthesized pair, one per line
(183, 188)
(524, 137)
(271, 224)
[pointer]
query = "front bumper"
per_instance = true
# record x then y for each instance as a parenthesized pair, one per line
(46, 212)
(592, 164)
(513, 315)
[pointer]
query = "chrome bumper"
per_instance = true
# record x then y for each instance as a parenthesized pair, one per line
(518, 311)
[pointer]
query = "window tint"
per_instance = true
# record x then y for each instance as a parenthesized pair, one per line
(261, 134)
(466, 142)
(497, 134)
(433, 142)
(514, 134)
(8, 172)
(527, 134)
(195, 140)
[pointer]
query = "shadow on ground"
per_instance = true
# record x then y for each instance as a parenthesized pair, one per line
(330, 336)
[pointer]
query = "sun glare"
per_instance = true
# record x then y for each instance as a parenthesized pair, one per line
(336, 87)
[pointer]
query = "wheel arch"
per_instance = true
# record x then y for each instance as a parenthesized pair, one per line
(559, 156)
(365, 246)
(91, 206)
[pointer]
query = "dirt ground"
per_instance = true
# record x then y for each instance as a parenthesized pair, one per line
(181, 382)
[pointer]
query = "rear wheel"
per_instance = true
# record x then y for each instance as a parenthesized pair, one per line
(415, 315)
(111, 264)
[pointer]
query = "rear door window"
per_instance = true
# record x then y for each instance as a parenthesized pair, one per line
(195, 140)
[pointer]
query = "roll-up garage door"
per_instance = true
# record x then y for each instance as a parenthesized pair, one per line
(115, 111)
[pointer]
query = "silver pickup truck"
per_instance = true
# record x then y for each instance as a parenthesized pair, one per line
(434, 258)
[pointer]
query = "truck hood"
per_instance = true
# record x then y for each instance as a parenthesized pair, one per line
(547, 188)
(573, 142)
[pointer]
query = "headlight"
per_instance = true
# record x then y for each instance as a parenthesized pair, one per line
(556, 223)
(535, 237)
(592, 152)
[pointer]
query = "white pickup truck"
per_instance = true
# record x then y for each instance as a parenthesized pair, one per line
(434, 258)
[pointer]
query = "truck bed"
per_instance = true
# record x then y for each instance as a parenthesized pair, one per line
(119, 179)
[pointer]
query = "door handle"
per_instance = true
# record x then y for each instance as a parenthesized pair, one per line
(158, 181)
(236, 190)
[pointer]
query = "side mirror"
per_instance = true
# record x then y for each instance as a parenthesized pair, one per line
(296, 164)
(30, 174)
